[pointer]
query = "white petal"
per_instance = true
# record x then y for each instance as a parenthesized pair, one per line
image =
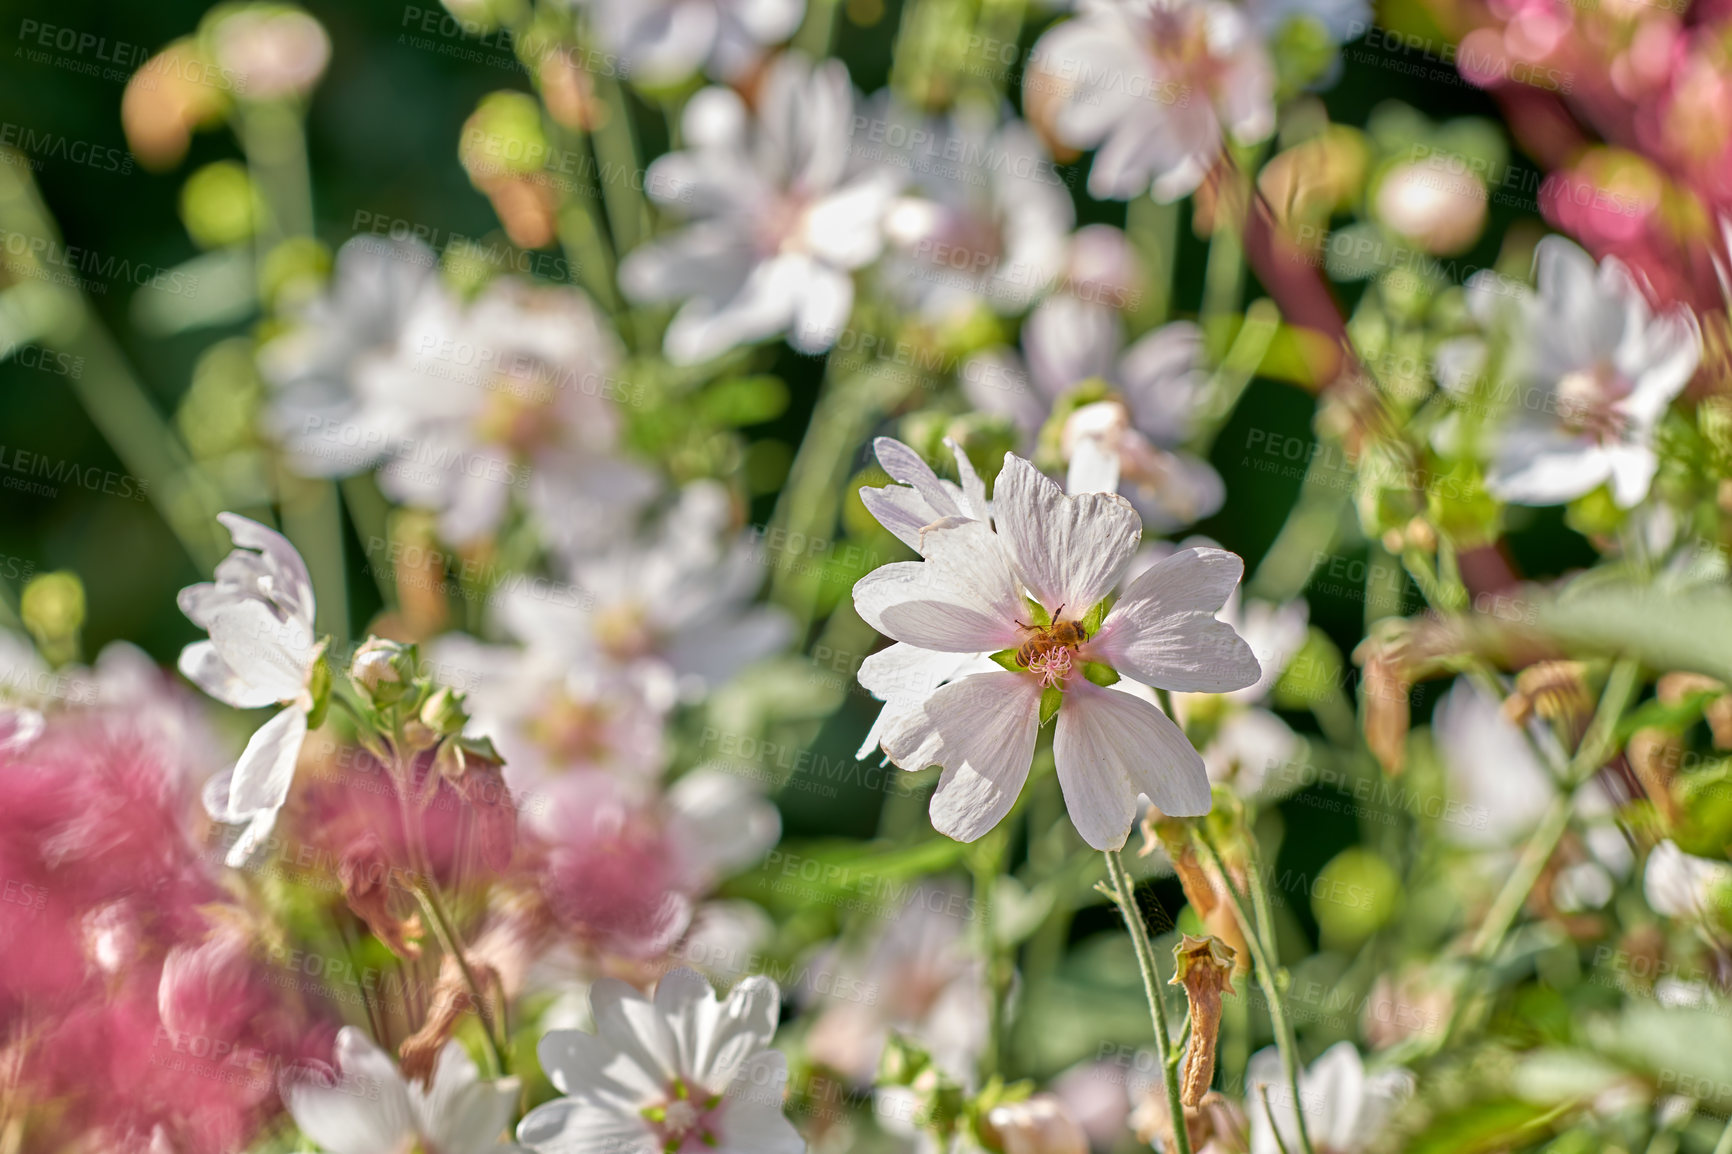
(963, 598)
(364, 1113)
(752, 1120)
(459, 1112)
(1163, 631)
(1070, 551)
(1093, 468)
(982, 730)
(201, 664)
(267, 766)
(290, 585)
(568, 1126)
(1112, 746)
(265, 652)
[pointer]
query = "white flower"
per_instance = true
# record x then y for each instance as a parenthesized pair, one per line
(987, 220)
(720, 825)
(918, 977)
(779, 219)
(460, 406)
(664, 41)
(1680, 885)
(670, 613)
(515, 393)
(1129, 408)
(371, 1108)
(681, 1074)
(1597, 370)
(321, 368)
(547, 718)
(1345, 1109)
(259, 614)
(1500, 788)
(1065, 555)
(1153, 84)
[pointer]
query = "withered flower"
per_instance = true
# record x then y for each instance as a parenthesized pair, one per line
(1674, 688)
(419, 1053)
(1553, 690)
(1205, 971)
(365, 872)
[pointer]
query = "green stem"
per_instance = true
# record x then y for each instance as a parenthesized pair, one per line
(1154, 231)
(1124, 896)
(1724, 1146)
(1259, 939)
(446, 932)
(819, 28)
(1597, 744)
(444, 928)
(985, 863)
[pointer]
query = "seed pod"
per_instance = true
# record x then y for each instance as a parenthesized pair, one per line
(1205, 970)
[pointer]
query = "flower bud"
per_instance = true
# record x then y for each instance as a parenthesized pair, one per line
(1205, 970)
(1555, 690)
(379, 662)
(443, 712)
(1037, 1125)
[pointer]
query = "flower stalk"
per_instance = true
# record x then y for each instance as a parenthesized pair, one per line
(1165, 1052)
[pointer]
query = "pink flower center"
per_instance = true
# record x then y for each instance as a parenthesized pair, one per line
(1051, 652)
(1588, 399)
(686, 1120)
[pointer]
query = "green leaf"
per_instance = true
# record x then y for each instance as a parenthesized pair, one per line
(1092, 622)
(1100, 674)
(1050, 700)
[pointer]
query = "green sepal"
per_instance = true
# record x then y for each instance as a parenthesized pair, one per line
(319, 687)
(1038, 616)
(1100, 673)
(1050, 700)
(1007, 658)
(1092, 622)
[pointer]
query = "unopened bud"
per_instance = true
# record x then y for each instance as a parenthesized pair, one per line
(443, 712)
(378, 662)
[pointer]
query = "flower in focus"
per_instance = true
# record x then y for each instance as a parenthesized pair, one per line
(664, 41)
(780, 217)
(1345, 1108)
(1154, 85)
(987, 221)
(1033, 594)
(259, 614)
(1112, 416)
(368, 1106)
(678, 1074)
(1598, 370)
